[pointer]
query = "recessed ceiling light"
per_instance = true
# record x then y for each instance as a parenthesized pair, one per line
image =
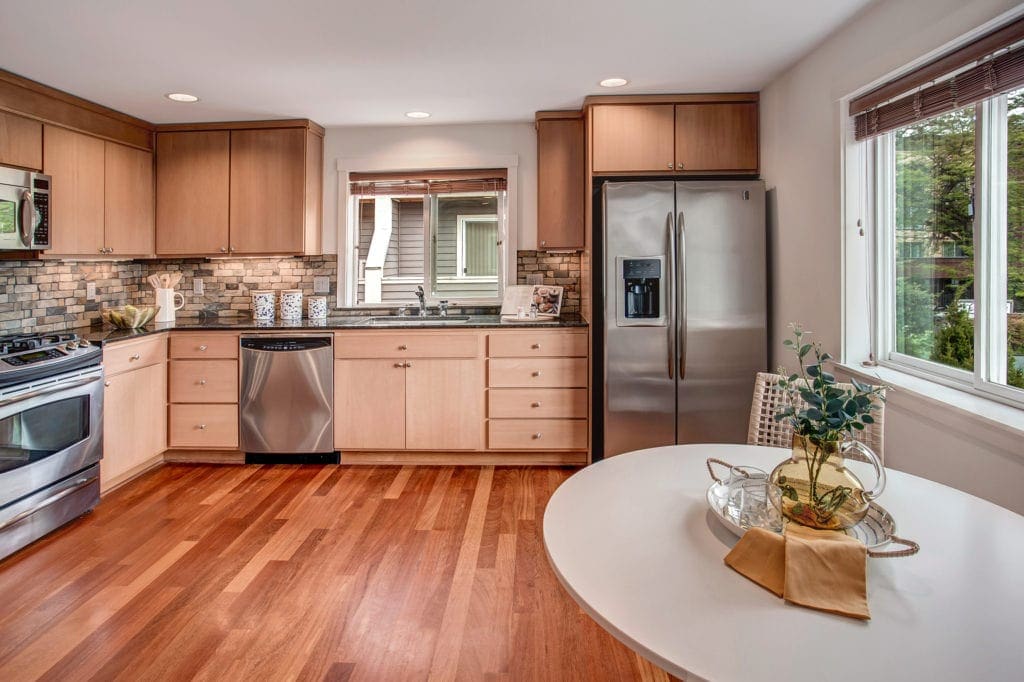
(417, 114)
(181, 97)
(613, 82)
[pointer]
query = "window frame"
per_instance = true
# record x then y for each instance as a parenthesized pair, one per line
(460, 246)
(989, 232)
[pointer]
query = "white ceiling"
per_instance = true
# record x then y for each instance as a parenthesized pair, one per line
(347, 63)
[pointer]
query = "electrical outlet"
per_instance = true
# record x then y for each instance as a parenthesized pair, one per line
(90, 291)
(535, 278)
(197, 286)
(321, 284)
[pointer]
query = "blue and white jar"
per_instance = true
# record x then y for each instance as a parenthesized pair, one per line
(263, 305)
(291, 304)
(317, 307)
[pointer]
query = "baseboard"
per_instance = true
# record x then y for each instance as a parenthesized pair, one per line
(109, 485)
(204, 457)
(466, 458)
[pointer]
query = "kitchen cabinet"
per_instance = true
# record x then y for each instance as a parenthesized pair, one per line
(76, 162)
(192, 180)
(21, 142)
(135, 408)
(561, 180)
(129, 221)
(203, 371)
(444, 402)
(369, 405)
(675, 135)
(242, 190)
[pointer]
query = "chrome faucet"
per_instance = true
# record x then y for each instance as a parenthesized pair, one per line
(442, 308)
(422, 300)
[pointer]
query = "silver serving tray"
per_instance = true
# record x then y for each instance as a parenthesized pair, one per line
(875, 530)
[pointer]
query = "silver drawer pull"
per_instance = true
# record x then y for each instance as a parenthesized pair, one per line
(137, 356)
(106, 383)
(537, 436)
(535, 346)
(408, 364)
(399, 364)
(202, 382)
(202, 348)
(202, 427)
(537, 404)
(536, 373)
(403, 347)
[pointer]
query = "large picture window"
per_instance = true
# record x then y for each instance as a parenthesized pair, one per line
(950, 248)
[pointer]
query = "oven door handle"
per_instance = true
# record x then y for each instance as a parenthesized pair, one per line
(53, 499)
(56, 388)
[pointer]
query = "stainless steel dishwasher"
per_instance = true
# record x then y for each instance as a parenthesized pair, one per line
(286, 401)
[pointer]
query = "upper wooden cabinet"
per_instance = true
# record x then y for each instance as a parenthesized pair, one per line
(243, 190)
(21, 142)
(192, 180)
(128, 202)
(75, 161)
(561, 180)
(675, 135)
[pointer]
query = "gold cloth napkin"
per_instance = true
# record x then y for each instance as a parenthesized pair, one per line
(819, 569)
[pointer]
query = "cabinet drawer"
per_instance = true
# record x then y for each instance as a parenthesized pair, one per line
(204, 381)
(537, 372)
(536, 344)
(537, 434)
(126, 355)
(204, 345)
(203, 426)
(534, 403)
(415, 344)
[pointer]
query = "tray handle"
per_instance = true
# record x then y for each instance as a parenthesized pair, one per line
(719, 462)
(912, 548)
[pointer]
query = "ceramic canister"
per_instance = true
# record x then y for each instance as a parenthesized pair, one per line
(317, 307)
(263, 305)
(291, 304)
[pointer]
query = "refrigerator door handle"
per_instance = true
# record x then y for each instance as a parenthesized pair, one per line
(680, 286)
(670, 229)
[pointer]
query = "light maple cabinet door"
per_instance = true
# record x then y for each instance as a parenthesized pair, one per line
(561, 183)
(129, 206)
(444, 404)
(632, 138)
(192, 180)
(268, 170)
(719, 136)
(134, 422)
(75, 161)
(21, 142)
(369, 404)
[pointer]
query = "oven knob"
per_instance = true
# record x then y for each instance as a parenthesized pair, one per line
(72, 345)
(84, 343)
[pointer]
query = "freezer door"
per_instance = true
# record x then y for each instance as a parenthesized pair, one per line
(722, 304)
(639, 350)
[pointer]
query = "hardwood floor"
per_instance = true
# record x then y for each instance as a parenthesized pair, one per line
(304, 572)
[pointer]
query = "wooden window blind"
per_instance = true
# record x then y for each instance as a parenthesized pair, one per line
(428, 182)
(989, 66)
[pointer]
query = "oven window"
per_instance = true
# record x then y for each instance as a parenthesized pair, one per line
(42, 431)
(8, 217)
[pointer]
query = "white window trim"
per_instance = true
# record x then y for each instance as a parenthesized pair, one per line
(460, 245)
(348, 221)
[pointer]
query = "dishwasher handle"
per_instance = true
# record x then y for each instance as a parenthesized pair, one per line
(277, 344)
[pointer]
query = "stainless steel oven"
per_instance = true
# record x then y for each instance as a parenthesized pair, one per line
(51, 442)
(24, 210)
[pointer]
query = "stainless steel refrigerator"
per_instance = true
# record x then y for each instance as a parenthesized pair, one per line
(685, 311)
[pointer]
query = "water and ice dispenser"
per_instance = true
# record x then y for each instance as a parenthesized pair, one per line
(641, 291)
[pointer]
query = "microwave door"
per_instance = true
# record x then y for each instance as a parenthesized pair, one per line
(10, 217)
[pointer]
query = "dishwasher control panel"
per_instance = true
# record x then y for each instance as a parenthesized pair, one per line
(278, 344)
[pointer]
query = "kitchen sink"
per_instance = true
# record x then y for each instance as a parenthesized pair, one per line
(413, 321)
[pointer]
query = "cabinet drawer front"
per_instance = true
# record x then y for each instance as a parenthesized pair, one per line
(537, 372)
(537, 403)
(126, 355)
(205, 345)
(415, 344)
(203, 426)
(537, 434)
(204, 381)
(537, 344)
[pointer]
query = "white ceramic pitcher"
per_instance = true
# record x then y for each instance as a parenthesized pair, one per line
(167, 299)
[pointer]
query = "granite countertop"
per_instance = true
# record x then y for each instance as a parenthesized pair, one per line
(108, 334)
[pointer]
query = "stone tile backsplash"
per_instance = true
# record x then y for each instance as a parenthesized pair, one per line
(43, 295)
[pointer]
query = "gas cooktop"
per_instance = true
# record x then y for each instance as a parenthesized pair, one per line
(25, 357)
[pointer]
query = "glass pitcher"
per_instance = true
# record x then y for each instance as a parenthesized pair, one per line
(814, 488)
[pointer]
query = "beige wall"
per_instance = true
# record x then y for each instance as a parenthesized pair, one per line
(800, 159)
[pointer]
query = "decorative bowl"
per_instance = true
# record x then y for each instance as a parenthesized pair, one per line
(130, 316)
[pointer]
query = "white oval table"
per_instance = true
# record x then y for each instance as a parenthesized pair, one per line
(632, 540)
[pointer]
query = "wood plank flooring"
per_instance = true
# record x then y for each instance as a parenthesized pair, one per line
(303, 572)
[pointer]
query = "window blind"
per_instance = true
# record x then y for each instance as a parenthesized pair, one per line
(428, 182)
(991, 65)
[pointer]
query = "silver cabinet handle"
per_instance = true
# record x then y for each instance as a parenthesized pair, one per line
(536, 404)
(106, 383)
(403, 347)
(408, 364)
(202, 382)
(202, 348)
(223, 250)
(202, 427)
(543, 242)
(670, 165)
(102, 250)
(671, 231)
(536, 373)
(679, 166)
(231, 249)
(535, 346)
(681, 322)
(137, 356)
(399, 364)
(537, 436)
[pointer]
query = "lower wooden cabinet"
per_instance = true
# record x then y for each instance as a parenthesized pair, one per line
(369, 405)
(203, 426)
(134, 413)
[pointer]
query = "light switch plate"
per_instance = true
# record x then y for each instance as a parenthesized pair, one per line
(90, 291)
(535, 278)
(197, 286)
(321, 284)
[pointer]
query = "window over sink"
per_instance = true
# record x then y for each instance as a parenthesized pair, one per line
(443, 230)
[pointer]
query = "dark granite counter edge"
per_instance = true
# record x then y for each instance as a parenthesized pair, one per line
(243, 324)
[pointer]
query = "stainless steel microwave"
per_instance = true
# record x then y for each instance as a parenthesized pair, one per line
(24, 210)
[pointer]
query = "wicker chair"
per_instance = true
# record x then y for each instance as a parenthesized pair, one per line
(769, 397)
